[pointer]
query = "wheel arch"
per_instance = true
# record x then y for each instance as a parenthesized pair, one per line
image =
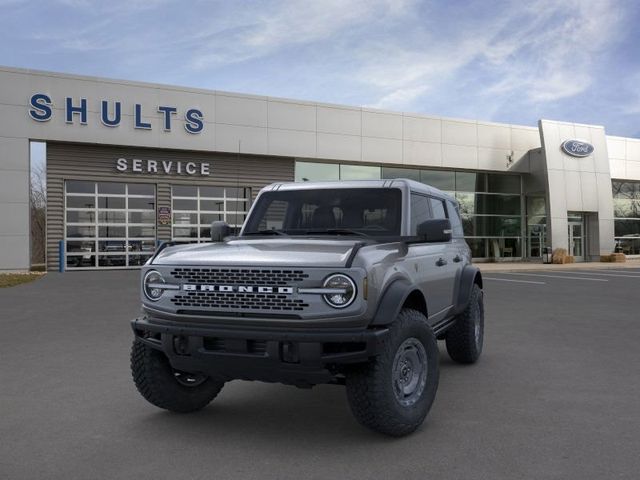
(469, 277)
(398, 295)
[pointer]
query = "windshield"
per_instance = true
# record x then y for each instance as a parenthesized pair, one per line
(352, 211)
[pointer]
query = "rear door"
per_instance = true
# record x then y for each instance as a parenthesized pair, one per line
(442, 277)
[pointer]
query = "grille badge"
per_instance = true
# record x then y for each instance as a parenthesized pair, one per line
(189, 287)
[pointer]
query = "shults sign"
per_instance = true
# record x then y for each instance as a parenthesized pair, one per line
(41, 109)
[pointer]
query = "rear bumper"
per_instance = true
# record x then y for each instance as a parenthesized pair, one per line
(302, 358)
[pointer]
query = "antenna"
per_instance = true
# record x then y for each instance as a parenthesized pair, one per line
(238, 180)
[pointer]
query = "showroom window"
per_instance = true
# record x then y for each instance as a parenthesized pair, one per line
(626, 212)
(490, 206)
(109, 224)
(196, 207)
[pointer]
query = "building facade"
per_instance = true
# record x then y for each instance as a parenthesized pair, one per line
(131, 164)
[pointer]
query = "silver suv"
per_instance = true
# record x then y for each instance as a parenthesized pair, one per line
(349, 283)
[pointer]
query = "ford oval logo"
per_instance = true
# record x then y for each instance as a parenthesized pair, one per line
(577, 148)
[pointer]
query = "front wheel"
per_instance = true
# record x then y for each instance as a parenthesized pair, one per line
(394, 392)
(166, 387)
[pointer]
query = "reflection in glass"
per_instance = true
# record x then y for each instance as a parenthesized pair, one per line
(81, 202)
(111, 188)
(313, 172)
(440, 179)
(359, 172)
(111, 202)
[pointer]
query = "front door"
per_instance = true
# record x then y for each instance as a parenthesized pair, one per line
(576, 240)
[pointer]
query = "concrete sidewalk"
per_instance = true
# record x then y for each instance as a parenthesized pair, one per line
(531, 266)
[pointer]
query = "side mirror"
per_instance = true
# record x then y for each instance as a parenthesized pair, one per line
(435, 230)
(219, 230)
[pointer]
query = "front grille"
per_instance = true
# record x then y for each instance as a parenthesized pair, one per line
(239, 276)
(237, 301)
(252, 347)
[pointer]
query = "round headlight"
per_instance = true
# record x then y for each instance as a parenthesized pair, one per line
(344, 291)
(152, 285)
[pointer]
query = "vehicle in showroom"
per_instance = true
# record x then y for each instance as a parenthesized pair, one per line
(348, 283)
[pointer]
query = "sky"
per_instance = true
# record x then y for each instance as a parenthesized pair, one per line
(502, 61)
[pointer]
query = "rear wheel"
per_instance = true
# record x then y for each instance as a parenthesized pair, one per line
(167, 388)
(465, 338)
(394, 392)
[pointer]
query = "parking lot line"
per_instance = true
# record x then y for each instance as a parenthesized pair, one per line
(556, 276)
(514, 281)
(603, 274)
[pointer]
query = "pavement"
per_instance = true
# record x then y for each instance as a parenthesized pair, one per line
(554, 396)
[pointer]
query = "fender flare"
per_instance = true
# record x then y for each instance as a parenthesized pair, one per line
(470, 275)
(392, 300)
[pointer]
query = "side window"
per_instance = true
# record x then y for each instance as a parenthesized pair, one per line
(454, 217)
(437, 207)
(420, 211)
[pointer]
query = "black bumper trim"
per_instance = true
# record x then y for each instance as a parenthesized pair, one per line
(300, 358)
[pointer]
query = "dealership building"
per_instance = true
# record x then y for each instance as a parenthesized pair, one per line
(99, 171)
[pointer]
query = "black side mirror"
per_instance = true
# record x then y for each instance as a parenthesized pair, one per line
(219, 230)
(435, 230)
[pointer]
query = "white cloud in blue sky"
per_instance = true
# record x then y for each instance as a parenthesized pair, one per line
(504, 61)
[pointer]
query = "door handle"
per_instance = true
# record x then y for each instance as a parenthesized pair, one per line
(457, 259)
(441, 262)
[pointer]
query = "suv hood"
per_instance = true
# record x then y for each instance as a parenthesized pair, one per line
(260, 251)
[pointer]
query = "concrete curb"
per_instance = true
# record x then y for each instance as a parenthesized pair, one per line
(535, 267)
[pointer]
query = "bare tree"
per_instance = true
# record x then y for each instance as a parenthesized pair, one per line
(38, 205)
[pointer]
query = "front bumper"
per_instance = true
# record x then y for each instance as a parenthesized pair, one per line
(302, 358)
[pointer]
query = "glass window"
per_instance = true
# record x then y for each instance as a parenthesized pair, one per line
(456, 222)
(80, 232)
(215, 192)
(212, 205)
(312, 172)
(112, 202)
(146, 189)
(483, 204)
(82, 216)
(359, 172)
(81, 202)
(207, 204)
(393, 172)
(503, 183)
(437, 208)
(374, 211)
(442, 180)
(624, 208)
(420, 211)
(536, 206)
(184, 191)
(470, 182)
(185, 204)
(111, 188)
(75, 186)
(142, 217)
(626, 227)
(491, 226)
(112, 217)
(142, 203)
(628, 190)
(108, 231)
(105, 228)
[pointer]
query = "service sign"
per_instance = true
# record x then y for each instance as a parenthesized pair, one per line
(577, 148)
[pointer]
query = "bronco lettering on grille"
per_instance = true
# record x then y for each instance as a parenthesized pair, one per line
(237, 289)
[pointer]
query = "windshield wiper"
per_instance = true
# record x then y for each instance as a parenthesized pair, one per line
(266, 232)
(336, 231)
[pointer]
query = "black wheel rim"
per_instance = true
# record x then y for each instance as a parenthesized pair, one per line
(409, 373)
(189, 379)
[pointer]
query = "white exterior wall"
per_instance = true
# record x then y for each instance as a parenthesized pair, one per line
(308, 130)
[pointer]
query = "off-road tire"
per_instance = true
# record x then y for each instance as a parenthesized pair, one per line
(461, 341)
(156, 382)
(370, 387)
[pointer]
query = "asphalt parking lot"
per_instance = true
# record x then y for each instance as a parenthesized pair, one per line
(555, 395)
